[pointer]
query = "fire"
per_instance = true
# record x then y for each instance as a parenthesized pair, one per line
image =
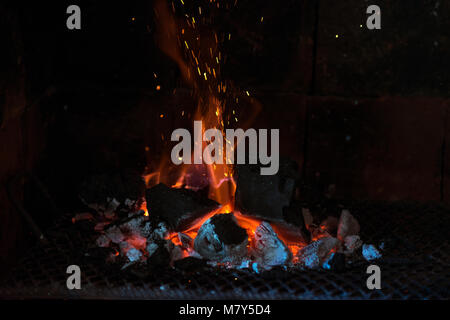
(199, 59)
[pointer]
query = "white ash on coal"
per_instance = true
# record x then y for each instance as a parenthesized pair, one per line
(160, 231)
(268, 249)
(113, 234)
(316, 253)
(221, 239)
(136, 223)
(134, 254)
(135, 237)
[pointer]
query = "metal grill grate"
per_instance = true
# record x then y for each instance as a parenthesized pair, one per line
(415, 265)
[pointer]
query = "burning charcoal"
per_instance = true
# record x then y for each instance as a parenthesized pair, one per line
(265, 196)
(348, 225)
(190, 264)
(370, 253)
(316, 253)
(177, 207)
(137, 241)
(352, 243)
(98, 189)
(221, 239)
(186, 241)
(269, 250)
(135, 223)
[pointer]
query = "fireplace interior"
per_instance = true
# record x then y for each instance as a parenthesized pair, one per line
(87, 179)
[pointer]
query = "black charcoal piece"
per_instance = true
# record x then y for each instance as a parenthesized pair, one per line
(220, 239)
(265, 196)
(227, 230)
(160, 257)
(294, 215)
(177, 207)
(337, 262)
(190, 264)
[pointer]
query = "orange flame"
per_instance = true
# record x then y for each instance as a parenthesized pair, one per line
(197, 54)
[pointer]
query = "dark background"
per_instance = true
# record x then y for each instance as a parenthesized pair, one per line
(365, 114)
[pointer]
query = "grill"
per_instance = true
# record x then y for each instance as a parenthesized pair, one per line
(415, 265)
